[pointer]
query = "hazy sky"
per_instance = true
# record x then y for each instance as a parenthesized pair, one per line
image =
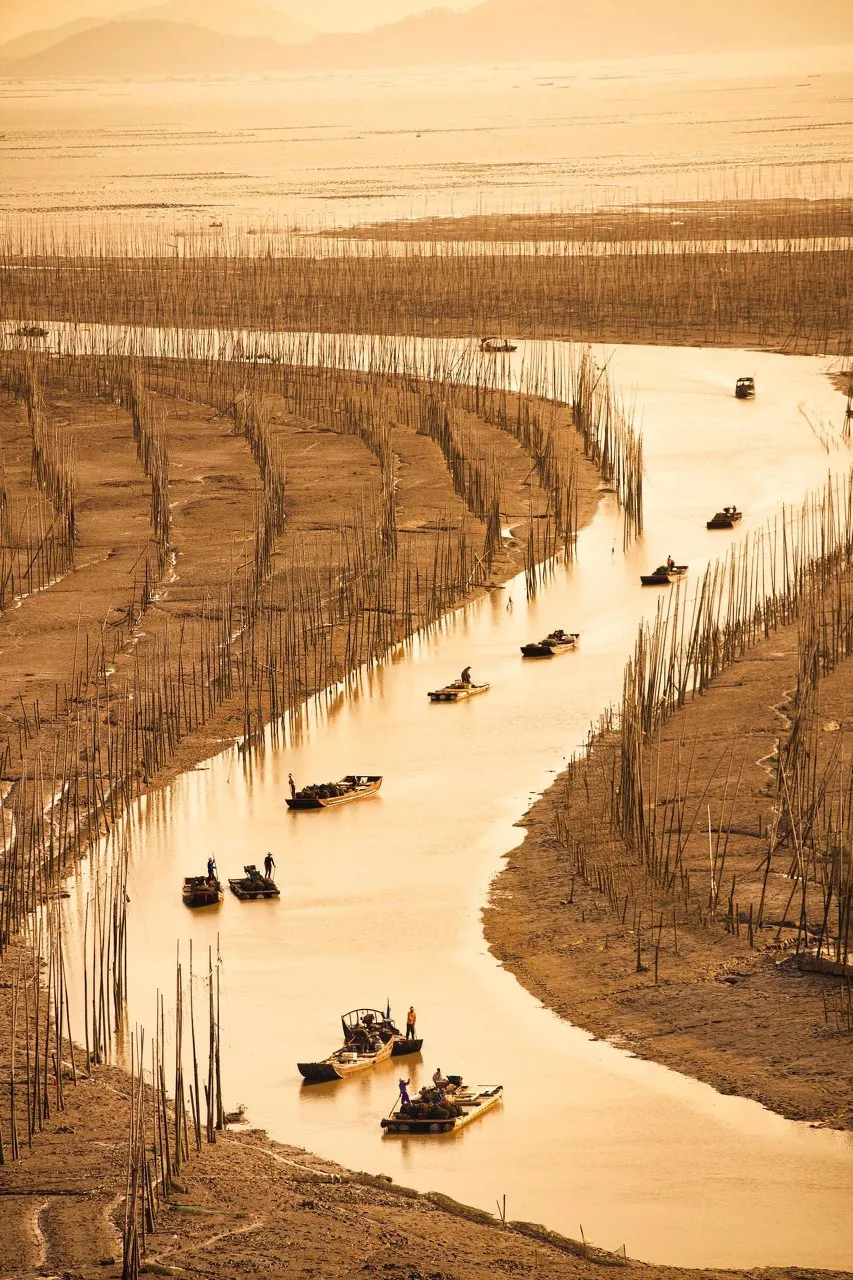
(18, 16)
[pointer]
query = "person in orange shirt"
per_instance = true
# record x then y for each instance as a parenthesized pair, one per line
(410, 1023)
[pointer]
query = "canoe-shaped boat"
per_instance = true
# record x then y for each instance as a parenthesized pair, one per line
(663, 575)
(457, 691)
(253, 885)
(426, 1115)
(497, 346)
(369, 1038)
(725, 519)
(324, 795)
(199, 891)
(556, 642)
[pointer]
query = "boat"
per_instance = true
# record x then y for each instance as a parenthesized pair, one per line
(201, 891)
(457, 691)
(253, 885)
(436, 1111)
(497, 346)
(323, 795)
(664, 575)
(745, 388)
(725, 519)
(369, 1037)
(31, 331)
(555, 642)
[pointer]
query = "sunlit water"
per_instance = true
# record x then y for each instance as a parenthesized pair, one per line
(258, 151)
(382, 899)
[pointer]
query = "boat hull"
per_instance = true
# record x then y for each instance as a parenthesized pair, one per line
(211, 898)
(481, 1101)
(355, 792)
(543, 650)
(249, 890)
(461, 694)
(336, 1067)
(402, 1048)
(664, 579)
(724, 522)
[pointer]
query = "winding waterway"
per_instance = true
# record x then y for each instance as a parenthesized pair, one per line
(382, 899)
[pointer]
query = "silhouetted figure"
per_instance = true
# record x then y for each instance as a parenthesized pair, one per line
(466, 676)
(292, 785)
(410, 1023)
(269, 863)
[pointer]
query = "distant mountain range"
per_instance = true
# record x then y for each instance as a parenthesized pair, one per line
(239, 36)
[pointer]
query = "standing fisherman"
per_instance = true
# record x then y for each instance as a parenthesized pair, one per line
(466, 676)
(403, 1086)
(211, 868)
(292, 786)
(269, 863)
(411, 1017)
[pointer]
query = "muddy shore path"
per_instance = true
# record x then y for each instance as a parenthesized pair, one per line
(383, 899)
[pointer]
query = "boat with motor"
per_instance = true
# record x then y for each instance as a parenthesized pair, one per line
(442, 1110)
(202, 891)
(555, 642)
(663, 575)
(725, 519)
(370, 1037)
(497, 346)
(745, 388)
(324, 795)
(252, 885)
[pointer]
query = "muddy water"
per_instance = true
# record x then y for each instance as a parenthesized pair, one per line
(382, 899)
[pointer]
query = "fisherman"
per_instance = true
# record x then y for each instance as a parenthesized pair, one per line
(269, 863)
(292, 786)
(410, 1023)
(404, 1091)
(439, 1080)
(466, 676)
(211, 868)
(670, 563)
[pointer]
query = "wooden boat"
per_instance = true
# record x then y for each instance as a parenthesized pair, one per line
(323, 795)
(200, 891)
(556, 642)
(253, 885)
(497, 346)
(430, 1113)
(725, 519)
(31, 331)
(457, 691)
(745, 388)
(664, 575)
(369, 1037)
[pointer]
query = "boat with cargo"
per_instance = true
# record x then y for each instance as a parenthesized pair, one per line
(325, 795)
(370, 1037)
(438, 1110)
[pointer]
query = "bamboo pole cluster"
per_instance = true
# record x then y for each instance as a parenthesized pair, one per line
(40, 1048)
(791, 290)
(161, 1136)
(799, 569)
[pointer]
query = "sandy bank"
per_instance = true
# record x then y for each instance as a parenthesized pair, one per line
(715, 995)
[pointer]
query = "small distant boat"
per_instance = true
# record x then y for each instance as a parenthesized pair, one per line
(745, 388)
(663, 575)
(369, 1038)
(253, 885)
(323, 795)
(725, 519)
(558, 641)
(433, 1111)
(31, 331)
(497, 346)
(457, 691)
(201, 891)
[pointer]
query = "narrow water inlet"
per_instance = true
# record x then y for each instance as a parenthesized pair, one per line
(382, 899)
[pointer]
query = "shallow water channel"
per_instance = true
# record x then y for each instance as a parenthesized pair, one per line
(382, 899)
